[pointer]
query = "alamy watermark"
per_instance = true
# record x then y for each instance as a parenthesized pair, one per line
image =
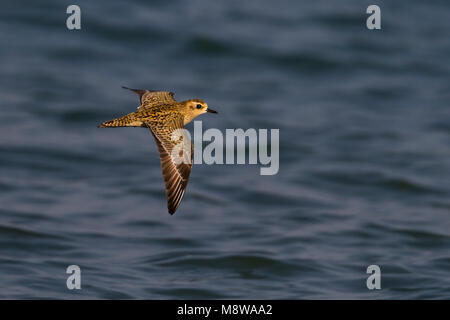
(233, 144)
(74, 280)
(374, 280)
(73, 22)
(373, 22)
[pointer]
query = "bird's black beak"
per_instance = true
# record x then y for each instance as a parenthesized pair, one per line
(211, 110)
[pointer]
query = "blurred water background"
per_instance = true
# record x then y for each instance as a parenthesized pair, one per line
(364, 150)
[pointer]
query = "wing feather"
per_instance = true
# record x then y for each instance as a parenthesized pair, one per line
(176, 175)
(151, 98)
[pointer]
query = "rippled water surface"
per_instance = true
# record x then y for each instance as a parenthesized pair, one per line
(364, 150)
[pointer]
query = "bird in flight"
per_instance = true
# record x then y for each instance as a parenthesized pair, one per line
(164, 116)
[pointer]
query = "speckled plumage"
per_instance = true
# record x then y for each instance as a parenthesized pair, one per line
(162, 114)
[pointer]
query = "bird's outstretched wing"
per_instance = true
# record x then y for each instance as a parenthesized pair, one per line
(151, 98)
(176, 156)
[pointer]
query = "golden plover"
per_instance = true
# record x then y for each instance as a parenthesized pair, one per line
(162, 114)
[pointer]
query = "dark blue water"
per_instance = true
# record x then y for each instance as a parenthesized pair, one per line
(364, 173)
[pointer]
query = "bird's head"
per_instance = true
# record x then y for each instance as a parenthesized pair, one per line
(196, 107)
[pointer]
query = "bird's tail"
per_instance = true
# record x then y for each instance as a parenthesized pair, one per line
(125, 121)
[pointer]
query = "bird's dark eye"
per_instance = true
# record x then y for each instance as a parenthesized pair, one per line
(199, 106)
